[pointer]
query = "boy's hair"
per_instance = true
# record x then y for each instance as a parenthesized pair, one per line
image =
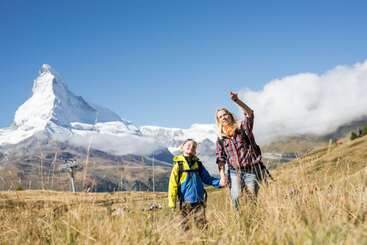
(219, 125)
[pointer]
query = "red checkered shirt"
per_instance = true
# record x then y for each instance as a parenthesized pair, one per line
(237, 151)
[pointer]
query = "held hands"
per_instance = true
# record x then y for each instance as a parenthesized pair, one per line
(223, 178)
(223, 181)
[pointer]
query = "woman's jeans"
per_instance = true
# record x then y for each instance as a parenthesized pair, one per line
(248, 179)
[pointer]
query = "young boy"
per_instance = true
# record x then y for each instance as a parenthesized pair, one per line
(186, 184)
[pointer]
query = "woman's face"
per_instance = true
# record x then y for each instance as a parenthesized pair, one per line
(224, 117)
(189, 148)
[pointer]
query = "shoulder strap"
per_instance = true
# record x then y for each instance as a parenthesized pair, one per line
(180, 171)
(257, 148)
(200, 165)
(252, 142)
(245, 136)
(220, 141)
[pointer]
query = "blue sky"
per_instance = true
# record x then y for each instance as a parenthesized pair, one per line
(171, 63)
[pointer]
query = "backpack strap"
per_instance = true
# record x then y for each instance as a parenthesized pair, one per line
(257, 148)
(220, 141)
(245, 136)
(180, 171)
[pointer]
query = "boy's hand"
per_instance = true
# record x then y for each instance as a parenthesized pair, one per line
(223, 181)
(233, 96)
(223, 178)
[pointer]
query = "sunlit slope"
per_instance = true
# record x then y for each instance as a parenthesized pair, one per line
(318, 199)
(327, 165)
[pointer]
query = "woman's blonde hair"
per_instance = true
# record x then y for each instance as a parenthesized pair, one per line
(221, 133)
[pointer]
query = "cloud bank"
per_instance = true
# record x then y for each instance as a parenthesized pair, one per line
(128, 144)
(308, 102)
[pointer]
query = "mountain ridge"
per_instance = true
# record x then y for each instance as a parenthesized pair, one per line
(55, 116)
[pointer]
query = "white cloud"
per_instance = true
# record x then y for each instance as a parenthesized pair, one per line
(309, 103)
(128, 144)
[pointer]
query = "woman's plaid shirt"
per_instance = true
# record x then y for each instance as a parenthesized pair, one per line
(237, 151)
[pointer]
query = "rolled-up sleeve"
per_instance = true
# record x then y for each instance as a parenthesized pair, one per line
(220, 155)
(248, 122)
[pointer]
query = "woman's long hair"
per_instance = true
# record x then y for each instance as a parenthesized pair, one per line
(221, 132)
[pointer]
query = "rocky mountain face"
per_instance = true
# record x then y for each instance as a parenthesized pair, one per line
(54, 125)
(43, 165)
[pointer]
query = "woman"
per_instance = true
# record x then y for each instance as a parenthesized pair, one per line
(237, 148)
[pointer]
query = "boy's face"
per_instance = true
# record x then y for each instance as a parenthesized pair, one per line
(189, 149)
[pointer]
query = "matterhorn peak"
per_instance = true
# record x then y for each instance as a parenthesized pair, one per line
(52, 101)
(45, 68)
(46, 81)
(57, 112)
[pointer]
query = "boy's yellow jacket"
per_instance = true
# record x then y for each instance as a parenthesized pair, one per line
(191, 184)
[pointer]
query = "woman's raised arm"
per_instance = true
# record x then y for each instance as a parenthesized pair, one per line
(234, 97)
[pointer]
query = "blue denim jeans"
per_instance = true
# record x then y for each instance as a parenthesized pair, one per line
(248, 179)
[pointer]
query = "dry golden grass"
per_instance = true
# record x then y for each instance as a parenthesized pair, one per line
(319, 199)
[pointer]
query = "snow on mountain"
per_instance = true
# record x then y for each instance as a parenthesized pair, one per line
(51, 100)
(14, 136)
(172, 138)
(54, 112)
(175, 136)
(59, 114)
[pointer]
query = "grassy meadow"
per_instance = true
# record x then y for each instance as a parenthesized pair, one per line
(320, 198)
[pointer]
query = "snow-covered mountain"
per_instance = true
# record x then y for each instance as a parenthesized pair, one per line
(172, 138)
(175, 136)
(51, 100)
(54, 112)
(55, 125)
(55, 117)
